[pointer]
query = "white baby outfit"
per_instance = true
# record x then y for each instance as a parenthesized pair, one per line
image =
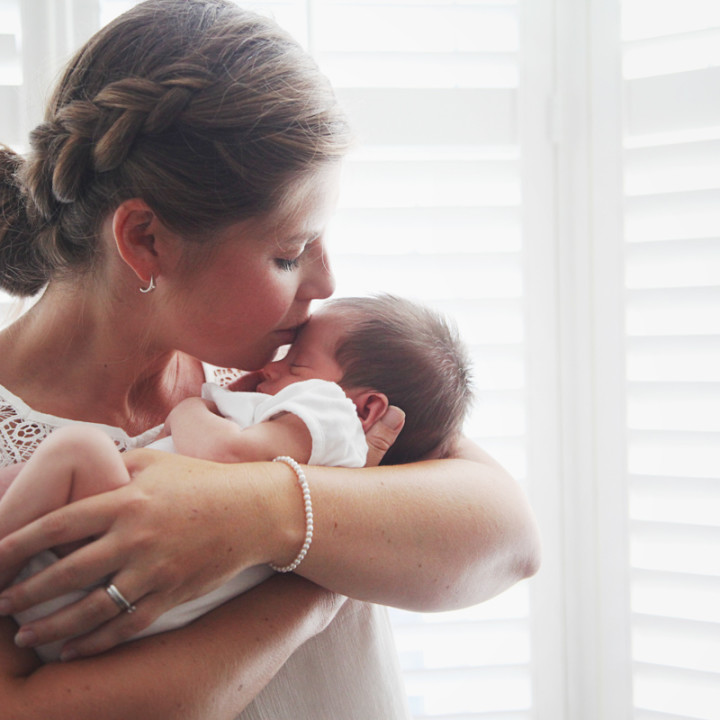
(330, 416)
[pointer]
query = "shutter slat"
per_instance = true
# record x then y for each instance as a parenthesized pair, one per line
(641, 18)
(677, 644)
(674, 311)
(423, 183)
(675, 53)
(382, 27)
(667, 264)
(495, 276)
(691, 694)
(664, 359)
(676, 595)
(672, 102)
(459, 116)
(673, 167)
(438, 70)
(674, 454)
(397, 231)
(683, 500)
(462, 645)
(671, 216)
(672, 547)
(674, 406)
(481, 690)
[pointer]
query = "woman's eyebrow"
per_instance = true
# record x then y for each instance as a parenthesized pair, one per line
(299, 240)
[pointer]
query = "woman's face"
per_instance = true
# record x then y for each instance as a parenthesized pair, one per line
(253, 291)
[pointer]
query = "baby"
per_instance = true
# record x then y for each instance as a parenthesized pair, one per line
(354, 358)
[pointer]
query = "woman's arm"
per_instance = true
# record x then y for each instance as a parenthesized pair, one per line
(430, 536)
(210, 669)
(434, 535)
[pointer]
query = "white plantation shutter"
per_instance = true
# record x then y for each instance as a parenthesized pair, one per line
(13, 124)
(10, 73)
(430, 209)
(672, 232)
(37, 38)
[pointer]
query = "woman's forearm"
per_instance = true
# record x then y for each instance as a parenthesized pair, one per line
(434, 535)
(430, 536)
(212, 668)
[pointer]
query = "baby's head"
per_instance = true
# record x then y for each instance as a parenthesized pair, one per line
(386, 350)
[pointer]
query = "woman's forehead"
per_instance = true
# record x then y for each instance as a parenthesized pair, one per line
(309, 200)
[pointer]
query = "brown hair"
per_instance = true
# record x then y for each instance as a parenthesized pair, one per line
(415, 357)
(207, 112)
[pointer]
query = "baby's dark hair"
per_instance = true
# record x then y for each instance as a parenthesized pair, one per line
(414, 356)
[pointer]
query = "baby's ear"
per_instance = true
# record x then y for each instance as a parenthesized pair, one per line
(371, 406)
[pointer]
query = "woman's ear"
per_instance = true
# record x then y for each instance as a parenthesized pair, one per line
(134, 227)
(371, 406)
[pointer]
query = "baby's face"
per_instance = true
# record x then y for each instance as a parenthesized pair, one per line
(311, 356)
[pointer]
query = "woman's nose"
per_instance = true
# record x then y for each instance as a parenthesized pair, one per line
(319, 281)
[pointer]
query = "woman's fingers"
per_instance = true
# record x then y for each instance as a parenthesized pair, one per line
(139, 537)
(77, 521)
(383, 434)
(92, 609)
(96, 622)
(121, 627)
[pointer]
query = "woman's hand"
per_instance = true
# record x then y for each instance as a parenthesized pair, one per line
(181, 528)
(173, 533)
(383, 434)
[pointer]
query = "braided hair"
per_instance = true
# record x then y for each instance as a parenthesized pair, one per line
(207, 112)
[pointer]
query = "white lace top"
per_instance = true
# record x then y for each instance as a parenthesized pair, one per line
(348, 672)
(22, 429)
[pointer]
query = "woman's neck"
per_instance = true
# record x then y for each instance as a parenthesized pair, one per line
(64, 361)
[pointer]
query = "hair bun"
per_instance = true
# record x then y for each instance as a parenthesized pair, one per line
(22, 270)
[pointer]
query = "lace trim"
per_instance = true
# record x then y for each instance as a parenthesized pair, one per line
(22, 429)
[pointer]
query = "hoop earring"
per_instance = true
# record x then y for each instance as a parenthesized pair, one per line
(150, 287)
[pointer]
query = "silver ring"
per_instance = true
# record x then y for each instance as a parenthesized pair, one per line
(119, 599)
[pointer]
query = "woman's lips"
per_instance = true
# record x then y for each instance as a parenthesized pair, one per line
(291, 333)
(288, 336)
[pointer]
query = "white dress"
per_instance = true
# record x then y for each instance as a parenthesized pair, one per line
(348, 672)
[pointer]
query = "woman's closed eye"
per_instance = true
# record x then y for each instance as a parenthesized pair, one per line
(288, 264)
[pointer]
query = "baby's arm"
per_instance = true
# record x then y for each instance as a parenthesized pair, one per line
(74, 462)
(199, 432)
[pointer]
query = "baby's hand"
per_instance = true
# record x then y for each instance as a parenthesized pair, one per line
(247, 382)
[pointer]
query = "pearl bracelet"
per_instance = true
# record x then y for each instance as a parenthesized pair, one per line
(302, 480)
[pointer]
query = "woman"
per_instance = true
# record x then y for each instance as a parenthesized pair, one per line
(174, 203)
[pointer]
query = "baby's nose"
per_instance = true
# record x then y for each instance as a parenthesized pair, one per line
(271, 370)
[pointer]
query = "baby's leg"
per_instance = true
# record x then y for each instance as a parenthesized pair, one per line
(74, 462)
